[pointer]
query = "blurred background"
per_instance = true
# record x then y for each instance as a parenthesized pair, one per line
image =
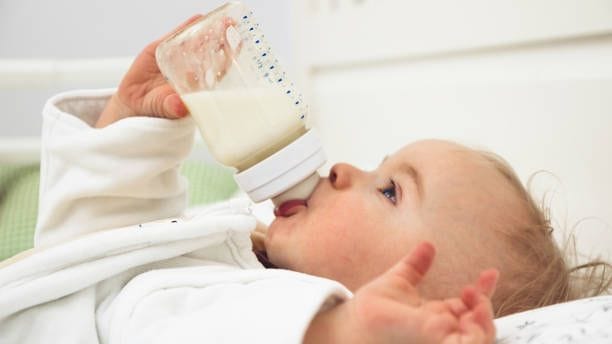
(48, 47)
(529, 80)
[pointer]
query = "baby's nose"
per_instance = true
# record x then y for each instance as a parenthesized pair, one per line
(342, 175)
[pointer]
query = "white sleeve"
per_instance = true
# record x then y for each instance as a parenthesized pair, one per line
(200, 305)
(94, 179)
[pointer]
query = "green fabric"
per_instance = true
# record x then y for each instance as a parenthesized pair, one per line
(19, 199)
(207, 182)
(18, 208)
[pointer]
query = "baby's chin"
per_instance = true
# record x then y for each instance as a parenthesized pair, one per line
(272, 258)
(278, 245)
(284, 226)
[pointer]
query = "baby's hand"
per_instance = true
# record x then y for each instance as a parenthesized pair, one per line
(144, 90)
(390, 310)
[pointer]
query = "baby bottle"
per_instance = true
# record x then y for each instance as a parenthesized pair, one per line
(247, 111)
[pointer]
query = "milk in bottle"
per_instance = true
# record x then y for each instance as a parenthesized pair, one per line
(250, 116)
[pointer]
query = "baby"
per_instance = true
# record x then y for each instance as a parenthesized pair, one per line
(397, 206)
(469, 204)
(375, 232)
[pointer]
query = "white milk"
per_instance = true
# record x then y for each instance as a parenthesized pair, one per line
(244, 126)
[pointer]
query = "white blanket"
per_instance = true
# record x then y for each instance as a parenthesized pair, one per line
(192, 279)
(581, 321)
(103, 271)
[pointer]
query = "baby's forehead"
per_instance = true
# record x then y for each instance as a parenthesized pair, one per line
(440, 152)
(448, 164)
(432, 147)
(462, 187)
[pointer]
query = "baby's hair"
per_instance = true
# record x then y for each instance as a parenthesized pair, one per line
(546, 274)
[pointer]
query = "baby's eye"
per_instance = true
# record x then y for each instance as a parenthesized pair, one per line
(390, 191)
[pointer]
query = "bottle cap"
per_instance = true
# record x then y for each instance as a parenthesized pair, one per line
(286, 168)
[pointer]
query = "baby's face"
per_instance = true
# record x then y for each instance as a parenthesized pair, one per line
(357, 224)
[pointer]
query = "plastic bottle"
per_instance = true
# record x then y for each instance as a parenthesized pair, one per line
(248, 112)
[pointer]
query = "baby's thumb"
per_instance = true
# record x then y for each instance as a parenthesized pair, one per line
(415, 265)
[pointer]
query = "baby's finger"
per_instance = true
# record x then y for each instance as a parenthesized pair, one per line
(472, 333)
(174, 107)
(483, 316)
(416, 264)
(182, 26)
(487, 282)
(469, 296)
(481, 310)
(456, 306)
(443, 324)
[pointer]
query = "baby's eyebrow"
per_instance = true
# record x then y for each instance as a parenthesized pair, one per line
(413, 173)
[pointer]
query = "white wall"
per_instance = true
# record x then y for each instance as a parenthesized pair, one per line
(71, 29)
(530, 80)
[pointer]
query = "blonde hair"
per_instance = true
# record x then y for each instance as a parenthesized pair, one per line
(541, 272)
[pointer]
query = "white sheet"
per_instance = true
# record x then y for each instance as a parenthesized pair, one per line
(581, 321)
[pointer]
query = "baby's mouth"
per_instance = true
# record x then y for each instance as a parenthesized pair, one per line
(290, 207)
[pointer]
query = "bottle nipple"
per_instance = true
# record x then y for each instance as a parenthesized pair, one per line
(287, 202)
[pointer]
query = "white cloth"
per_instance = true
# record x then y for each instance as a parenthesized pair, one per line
(116, 259)
(581, 321)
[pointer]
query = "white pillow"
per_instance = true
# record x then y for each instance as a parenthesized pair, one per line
(582, 321)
